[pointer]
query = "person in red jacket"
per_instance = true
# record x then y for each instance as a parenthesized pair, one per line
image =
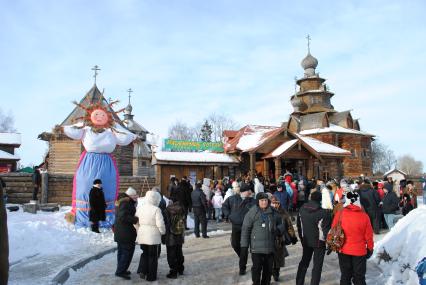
(358, 246)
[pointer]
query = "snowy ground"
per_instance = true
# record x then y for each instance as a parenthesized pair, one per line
(210, 261)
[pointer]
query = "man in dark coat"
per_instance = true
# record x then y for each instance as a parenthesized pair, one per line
(175, 232)
(260, 227)
(36, 178)
(4, 241)
(186, 188)
(313, 224)
(97, 205)
(124, 231)
(199, 207)
(370, 201)
(235, 208)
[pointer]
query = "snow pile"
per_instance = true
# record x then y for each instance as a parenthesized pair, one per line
(406, 246)
(49, 234)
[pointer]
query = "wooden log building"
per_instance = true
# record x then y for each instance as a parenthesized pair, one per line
(316, 141)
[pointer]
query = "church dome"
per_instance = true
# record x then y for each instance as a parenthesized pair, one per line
(309, 62)
(128, 109)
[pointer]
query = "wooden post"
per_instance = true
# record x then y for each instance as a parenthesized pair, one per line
(266, 169)
(44, 187)
(277, 167)
(252, 165)
(4, 241)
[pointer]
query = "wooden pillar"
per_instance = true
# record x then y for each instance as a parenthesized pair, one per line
(252, 164)
(277, 162)
(44, 187)
(266, 169)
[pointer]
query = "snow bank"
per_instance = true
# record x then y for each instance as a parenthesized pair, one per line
(49, 234)
(406, 245)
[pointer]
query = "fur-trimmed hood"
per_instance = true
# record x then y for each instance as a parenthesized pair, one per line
(153, 198)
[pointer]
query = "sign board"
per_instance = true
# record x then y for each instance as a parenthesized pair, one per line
(180, 145)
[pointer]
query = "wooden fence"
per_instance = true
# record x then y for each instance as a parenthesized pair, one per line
(57, 188)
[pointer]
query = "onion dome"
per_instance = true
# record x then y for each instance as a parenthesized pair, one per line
(309, 62)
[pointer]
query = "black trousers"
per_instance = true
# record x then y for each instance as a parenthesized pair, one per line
(148, 263)
(200, 217)
(261, 270)
(353, 269)
(175, 258)
(95, 227)
(124, 256)
(308, 251)
(236, 245)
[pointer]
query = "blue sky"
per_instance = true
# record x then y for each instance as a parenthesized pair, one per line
(187, 59)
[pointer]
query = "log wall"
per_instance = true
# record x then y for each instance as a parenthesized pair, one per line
(19, 187)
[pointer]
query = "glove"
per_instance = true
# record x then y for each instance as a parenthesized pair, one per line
(293, 240)
(369, 253)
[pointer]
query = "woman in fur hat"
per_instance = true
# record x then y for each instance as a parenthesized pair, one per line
(289, 236)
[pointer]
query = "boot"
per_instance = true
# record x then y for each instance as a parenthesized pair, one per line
(172, 274)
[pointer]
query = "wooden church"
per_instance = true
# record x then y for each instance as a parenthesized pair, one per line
(316, 140)
(64, 153)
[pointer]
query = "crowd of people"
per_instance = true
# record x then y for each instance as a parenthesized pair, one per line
(261, 214)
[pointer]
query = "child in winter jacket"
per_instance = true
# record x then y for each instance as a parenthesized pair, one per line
(217, 202)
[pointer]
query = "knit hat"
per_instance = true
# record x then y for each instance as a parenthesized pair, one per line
(97, 181)
(352, 198)
(316, 196)
(131, 192)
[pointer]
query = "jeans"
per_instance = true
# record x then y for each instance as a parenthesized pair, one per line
(218, 213)
(200, 217)
(389, 218)
(124, 256)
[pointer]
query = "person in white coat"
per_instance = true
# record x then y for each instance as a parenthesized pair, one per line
(151, 227)
(258, 186)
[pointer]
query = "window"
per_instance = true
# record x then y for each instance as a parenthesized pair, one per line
(316, 100)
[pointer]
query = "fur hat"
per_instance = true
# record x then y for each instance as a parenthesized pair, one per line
(131, 192)
(261, 195)
(352, 198)
(97, 181)
(316, 196)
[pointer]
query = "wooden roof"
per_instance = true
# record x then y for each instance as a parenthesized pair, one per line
(313, 121)
(343, 119)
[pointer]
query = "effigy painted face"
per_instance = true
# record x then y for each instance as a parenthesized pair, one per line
(99, 117)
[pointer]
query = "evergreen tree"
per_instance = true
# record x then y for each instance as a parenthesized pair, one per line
(206, 132)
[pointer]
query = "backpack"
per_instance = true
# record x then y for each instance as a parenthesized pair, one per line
(177, 226)
(336, 237)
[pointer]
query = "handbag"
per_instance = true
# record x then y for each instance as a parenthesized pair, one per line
(336, 236)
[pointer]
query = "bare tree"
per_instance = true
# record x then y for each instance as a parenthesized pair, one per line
(409, 165)
(181, 131)
(220, 123)
(7, 123)
(383, 158)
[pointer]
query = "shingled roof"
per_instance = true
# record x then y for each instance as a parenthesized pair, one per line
(313, 121)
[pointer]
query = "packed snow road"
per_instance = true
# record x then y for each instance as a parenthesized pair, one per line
(208, 261)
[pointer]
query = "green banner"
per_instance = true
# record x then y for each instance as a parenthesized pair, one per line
(179, 145)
